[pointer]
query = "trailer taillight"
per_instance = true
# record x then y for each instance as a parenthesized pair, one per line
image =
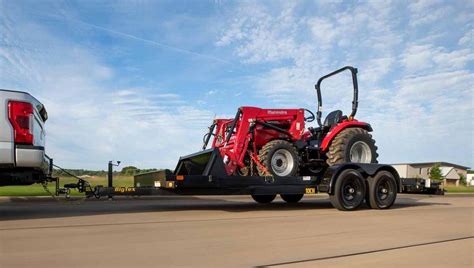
(20, 115)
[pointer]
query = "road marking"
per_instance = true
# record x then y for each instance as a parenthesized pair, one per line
(366, 252)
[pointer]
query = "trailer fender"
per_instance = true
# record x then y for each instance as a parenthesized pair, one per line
(366, 170)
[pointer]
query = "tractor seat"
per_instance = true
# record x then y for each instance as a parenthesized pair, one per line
(332, 119)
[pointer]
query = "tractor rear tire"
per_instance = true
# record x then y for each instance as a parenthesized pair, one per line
(280, 158)
(291, 198)
(352, 145)
(264, 199)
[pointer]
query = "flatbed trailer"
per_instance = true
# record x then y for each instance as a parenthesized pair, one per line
(348, 186)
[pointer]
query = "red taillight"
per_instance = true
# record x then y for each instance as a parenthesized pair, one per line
(20, 116)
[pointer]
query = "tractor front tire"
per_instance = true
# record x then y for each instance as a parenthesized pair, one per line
(352, 145)
(280, 158)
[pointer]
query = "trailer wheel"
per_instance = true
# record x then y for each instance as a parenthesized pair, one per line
(352, 145)
(291, 198)
(264, 199)
(280, 159)
(349, 190)
(382, 190)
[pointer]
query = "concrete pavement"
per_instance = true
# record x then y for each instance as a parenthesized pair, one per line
(236, 232)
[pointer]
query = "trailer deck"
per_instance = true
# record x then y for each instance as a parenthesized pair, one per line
(218, 185)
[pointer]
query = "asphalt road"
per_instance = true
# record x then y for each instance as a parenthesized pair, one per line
(235, 232)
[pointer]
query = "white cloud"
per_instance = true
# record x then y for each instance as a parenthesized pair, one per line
(426, 57)
(376, 69)
(466, 39)
(450, 84)
(427, 11)
(307, 43)
(212, 92)
(264, 37)
(428, 118)
(323, 30)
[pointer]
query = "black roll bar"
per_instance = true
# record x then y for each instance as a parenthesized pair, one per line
(354, 83)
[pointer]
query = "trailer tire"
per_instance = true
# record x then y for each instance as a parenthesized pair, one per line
(353, 144)
(382, 190)
(291, 198)
(349, 190)
(264, 199)
(280, 158)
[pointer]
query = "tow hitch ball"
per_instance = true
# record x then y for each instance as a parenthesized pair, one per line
(81, 187)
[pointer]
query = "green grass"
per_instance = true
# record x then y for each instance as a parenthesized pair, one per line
(459, 189)
(37, 189)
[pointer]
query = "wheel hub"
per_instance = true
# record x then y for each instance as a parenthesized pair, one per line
(351, 191)
(384, 190)
(282, 162)
(360, 153)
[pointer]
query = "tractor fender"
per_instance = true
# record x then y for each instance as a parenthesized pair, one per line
(366, 170)
(340, 127)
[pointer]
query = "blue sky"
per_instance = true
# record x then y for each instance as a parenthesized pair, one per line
(139, 81)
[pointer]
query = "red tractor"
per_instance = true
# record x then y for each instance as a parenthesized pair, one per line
(275, 142)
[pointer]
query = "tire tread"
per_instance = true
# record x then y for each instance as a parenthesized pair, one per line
(335, 153)
(263, 155)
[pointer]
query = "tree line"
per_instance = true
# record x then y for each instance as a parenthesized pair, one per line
(126, 171)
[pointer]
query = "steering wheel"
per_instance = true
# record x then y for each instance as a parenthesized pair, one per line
(310, 118)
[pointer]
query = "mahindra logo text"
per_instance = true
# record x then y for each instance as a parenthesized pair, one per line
(277, 112)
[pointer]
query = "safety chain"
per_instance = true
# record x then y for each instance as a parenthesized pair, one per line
(259, 164)
(67, 190)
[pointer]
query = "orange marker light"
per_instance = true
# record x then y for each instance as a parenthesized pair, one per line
(180, 178)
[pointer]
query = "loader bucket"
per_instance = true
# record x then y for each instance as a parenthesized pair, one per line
(207, 162)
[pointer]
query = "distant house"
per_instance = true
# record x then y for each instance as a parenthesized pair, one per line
(449, 171)
(470, 179)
